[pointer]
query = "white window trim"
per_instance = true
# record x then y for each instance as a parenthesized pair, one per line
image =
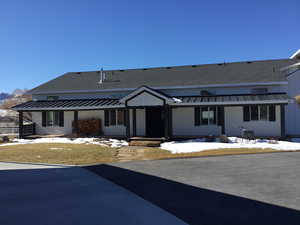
(208, 121)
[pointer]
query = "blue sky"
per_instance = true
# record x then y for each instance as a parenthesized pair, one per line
(40, 40)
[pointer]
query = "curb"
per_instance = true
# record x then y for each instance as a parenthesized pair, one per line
(39, 164)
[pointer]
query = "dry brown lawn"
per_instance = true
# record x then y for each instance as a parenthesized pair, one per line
(73, 154)
(80, 154)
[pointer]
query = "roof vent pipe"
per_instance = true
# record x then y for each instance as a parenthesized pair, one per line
(102, 76)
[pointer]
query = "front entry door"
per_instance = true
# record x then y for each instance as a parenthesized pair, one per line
(154, 122)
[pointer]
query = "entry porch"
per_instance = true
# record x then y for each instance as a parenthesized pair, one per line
(149, 113)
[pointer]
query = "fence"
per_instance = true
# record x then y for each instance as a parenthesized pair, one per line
(28, 129)
(9, 130)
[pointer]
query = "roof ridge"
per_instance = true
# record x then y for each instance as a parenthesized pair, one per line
(183, 66)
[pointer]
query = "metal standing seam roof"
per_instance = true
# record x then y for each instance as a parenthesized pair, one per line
(235, 99)
(190, 100)
(70, 104)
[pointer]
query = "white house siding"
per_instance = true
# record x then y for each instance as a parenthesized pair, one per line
(183, 124)
(118, 130)
(140, 122)
(68, 119)
(234, 121)
(293, 110)
(223, 90)
(66, 129)
(145, 99)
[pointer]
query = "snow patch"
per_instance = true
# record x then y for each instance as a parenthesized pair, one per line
(114, 143)
(198, 145)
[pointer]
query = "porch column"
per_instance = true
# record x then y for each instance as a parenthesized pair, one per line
(134, 122)
(21, 124)
(127, 120)
(76, 131)
(282, 120)
(170, 123)
(167, 122)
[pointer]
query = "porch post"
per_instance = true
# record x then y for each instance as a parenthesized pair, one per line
(170, 118)
(134, 122)
(282, 120)
(167, 122)
(127, 116)
(21, 124)
(76, 123)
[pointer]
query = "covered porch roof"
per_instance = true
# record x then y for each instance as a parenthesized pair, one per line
(90, 104)
(241, 99)
(82, 104)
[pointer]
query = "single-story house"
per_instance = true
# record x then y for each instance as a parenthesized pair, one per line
(173, 102)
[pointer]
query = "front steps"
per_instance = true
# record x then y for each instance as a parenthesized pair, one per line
(146, 142)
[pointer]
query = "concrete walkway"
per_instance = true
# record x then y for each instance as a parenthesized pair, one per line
(36, 194)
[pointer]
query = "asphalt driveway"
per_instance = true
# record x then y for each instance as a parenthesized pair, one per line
(244, 189)
(50, 195)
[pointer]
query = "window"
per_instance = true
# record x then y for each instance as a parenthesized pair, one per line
(259, 90)
(121, 117)
(53, 118)
(254, 112)
(205, 93)
(114, 117)
(262, 113)
(52, 98)
(207, 115)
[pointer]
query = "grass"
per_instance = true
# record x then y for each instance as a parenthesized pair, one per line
(80, 154)
(74, 154)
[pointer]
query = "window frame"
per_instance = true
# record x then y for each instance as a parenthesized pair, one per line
(209, 121)
(259, 113)
(52, 98)
(55, 120)
(114, 118)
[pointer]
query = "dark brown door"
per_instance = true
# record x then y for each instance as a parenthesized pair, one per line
(154, 122)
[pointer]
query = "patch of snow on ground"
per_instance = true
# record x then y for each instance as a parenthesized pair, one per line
(114, 143)
(198, 145)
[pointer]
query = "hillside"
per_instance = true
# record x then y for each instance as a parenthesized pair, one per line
(9, 100)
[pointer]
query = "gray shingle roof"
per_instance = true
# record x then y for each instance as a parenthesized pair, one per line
(228, 73)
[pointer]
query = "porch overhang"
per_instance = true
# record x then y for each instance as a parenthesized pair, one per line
(234, 100)
(69, 105)
(144, 98)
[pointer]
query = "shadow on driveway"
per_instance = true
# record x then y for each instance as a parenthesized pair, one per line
(197, 205)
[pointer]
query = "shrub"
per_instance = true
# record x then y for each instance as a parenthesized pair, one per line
(297, 98)
(5, 139)
(224, 139)
(210, 138)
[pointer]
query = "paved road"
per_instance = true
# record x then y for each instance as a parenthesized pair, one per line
(44, 195)
(245, 189)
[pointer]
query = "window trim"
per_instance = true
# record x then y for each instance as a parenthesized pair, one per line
(215, 116)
